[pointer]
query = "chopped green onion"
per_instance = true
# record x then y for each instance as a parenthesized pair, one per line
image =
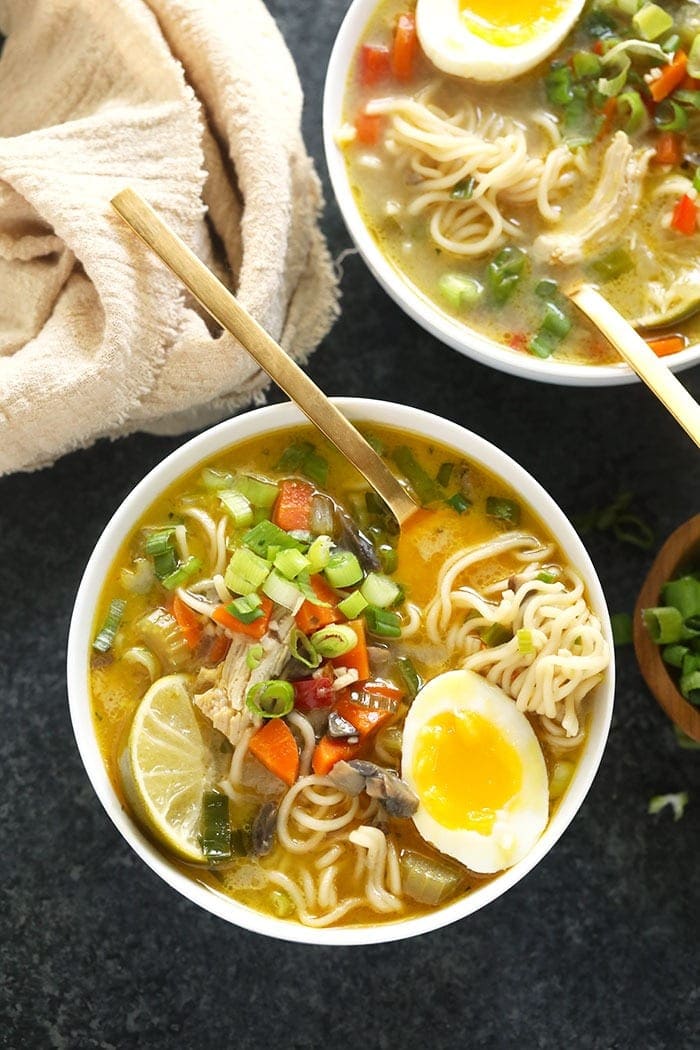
(670, 116)
(543, 344)
(559, 86)
(259, 493)
(459, 291)
(160, 542)
(555, 321)
(561, 778)
(671, 44)
(382, 622)
(496, 634)
(651, 21)
(688, 97)
(245, 571)
(677, 802)
(410, 676)
(216, 826)
(282, 904)
(108, 631)
(611, 265)
(271, 699)
(282, 591)
(683, 594)
(319, 553)
(526, 646)
(685, 741)
(291, 562)
(420, 481)
(302, 649)
(690, 686)
(664, 624)
(546, 289)
(458, 502)
(265, 535)
(343, 569)
(253, 658)
(504, 509)
(621, 624)
(353, 605)
(599, 24)
(546, 577)
(586, 64)
(693, 66)
(637, 117)
(444, 474)
(182, 573)
(334, 640)
(505, 272)
(674, 655)
(379, 590)
(463, 190)
(216, 479)
(238, 507)
(389, 558)
(165, 564)
(247, 608)
(302, 457)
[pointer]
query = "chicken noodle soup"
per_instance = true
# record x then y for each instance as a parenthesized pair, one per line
(326, 722)
(494, 190)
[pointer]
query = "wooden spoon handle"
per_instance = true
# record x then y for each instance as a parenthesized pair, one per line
(641, 358)
(223, 306)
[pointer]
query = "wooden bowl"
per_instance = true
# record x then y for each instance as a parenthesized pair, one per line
(680, 553)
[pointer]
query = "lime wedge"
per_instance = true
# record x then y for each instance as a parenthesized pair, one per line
(681, 301)
(166, 767)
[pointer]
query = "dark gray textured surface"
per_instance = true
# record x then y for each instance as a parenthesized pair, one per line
(596, 948)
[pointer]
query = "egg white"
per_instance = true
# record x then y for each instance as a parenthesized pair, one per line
(521, 821)
(450, 45)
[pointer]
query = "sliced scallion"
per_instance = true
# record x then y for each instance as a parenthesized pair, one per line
(266, 534)
(670, 116)
(216, 826)
(182, 573)
(683, 594)
(238, 507)
(334, 640)
(379, 590)
(247, 608)
(302, 649)
(463, 190)
(253, 657)
(409, 675)
(319, 553)
(271, 699)
(497, 634)
(343, 569)
(426, 489)
(621, 624)
(664, 624)
(694, 57)
(526, 646)
(458, 502)
(444, 474)
(160, 542)
(108, 631)
(290, 563)
(505, 272)
(282, 591)
(633, 112)
(259, 493)
(245, 571)
(382, 622)
(301, 457)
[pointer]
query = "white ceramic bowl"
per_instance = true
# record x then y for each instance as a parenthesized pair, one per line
(199, 450)
(450, 331)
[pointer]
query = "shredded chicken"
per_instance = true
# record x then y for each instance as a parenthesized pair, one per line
(223, 703)
(609, 211)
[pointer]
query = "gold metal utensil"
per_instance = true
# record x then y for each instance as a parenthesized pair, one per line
(225, 309)
(639, 356)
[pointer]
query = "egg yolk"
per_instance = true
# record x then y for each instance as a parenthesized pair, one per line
(465, 771)
(510, 22)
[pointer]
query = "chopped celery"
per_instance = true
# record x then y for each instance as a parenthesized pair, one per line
(216, 479)
(429, 881)
(282, 591)
(261, 494)
(238, 507)
(353, 605)
(651, 21)
(343, 569)
(107, 633)
(140, 578)
(379, 590)
(159, 630)
(245, 571)
(561, 778)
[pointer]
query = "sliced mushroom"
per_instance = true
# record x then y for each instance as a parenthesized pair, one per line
(340, 727)
(395, 795)
(357, 542)
(263, 830)
(349, 780)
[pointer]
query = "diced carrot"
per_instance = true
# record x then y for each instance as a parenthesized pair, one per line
(404, 49)
(690, 83)
(187, 622)
(608, 111)
(665, 345)
(293, 505)
(375, 64)
(329, 750)
(357, 658)
(669, 148)
(365, 720)
(685, 215)
(368, 127)
(598, 47)
(274, 745)
(256, 629)
(671, 76)
(311, 617)
(517, 340)
(220, 646)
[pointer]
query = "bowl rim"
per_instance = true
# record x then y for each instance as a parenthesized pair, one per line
(198, 450)
(412, 301)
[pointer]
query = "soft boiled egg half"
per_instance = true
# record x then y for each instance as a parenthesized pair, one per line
(475, 763)
(492, 39)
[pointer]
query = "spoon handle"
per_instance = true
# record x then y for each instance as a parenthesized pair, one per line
(650, 369)
(225, 309)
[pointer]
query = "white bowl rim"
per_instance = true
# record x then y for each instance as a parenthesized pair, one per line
(198, 450)
(411, 300)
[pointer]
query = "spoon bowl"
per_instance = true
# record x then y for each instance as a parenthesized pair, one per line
(680, 552)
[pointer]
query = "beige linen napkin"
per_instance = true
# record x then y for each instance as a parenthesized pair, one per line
(196, 104)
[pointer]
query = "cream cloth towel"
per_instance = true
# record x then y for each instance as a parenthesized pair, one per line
(196, 104)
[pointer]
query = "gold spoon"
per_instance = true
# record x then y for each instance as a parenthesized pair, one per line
(639, 356)
(225, 309)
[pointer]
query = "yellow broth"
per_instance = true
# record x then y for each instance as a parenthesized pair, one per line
(117, 687)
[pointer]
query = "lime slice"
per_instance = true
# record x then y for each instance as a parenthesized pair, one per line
(166, 767)
(681, 301)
